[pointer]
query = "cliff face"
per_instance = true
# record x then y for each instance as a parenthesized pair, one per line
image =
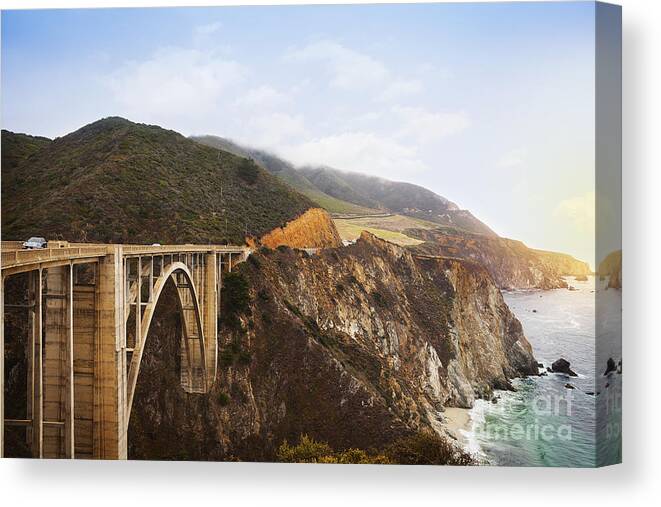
(355, 346)
(511, 263)
(313, 229)
(611, 267)
(563, 264)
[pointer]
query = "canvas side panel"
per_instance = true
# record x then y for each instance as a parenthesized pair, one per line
(608, 313)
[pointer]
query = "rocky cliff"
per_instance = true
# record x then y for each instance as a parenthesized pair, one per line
(355, 346)
(313, 229)
(563, 264)
(611, 267)
(511, 263)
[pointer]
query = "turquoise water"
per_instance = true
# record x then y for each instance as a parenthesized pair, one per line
(544, 423)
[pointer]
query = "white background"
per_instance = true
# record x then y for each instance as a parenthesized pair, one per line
(637, 481)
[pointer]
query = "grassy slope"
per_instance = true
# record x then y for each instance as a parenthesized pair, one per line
(397, 197)
(117, 181)
(286, 172)
(352, 231)
(390, 227)
(16, 149)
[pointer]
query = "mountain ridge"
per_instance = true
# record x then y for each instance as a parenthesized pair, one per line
(351, 192)
(285, 171)
(114, 180)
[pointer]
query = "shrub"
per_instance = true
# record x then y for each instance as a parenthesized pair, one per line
(263, 295)
(248, 171)
(234, 294)
(360, 457)
(309, 450)
(245, 357)
(226, 357)
(234, 352)
(426, 449)
(379, 299)
(254, 261)
(223, 399)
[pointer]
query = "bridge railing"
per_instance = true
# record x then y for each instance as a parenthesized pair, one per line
(168, 249)
(18, 257)
(12, 245)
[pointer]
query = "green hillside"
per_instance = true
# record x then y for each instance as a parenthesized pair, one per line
(17, 148)
(287, 173)
(397, 197)
(118, 181)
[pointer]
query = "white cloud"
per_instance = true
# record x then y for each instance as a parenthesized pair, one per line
(274, 129)
(399, 89)
(347, 69)
(358, 151)
(423, 126)
(262, 96)
(174, 81)
(579, 211)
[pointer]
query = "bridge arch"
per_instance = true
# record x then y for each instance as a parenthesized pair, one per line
(189, 304)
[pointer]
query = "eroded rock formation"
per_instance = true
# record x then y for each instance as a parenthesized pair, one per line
(313, 229)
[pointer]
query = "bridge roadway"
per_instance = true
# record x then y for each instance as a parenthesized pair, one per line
(87, 309)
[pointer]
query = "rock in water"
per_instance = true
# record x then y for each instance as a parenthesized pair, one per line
(563, 366)
(610, 366)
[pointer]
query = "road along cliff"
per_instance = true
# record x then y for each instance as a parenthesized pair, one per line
(355, 346)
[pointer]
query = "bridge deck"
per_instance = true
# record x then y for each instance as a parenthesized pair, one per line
(16, 259)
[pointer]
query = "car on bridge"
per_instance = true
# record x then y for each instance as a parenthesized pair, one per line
(35, 243)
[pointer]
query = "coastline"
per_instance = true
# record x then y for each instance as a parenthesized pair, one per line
(458, 423)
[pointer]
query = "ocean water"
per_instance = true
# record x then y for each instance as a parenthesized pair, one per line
(545, 423)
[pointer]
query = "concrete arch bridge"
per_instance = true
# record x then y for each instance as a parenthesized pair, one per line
(88, 311)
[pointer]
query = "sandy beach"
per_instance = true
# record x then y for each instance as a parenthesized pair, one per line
(457, 419)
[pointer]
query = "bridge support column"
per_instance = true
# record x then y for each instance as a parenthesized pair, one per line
(58, 438)
(210, 299)
(192, 376)
(110, 412)
(84, 335)
(35, 364)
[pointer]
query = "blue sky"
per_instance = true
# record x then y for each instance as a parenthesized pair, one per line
(489, 105)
